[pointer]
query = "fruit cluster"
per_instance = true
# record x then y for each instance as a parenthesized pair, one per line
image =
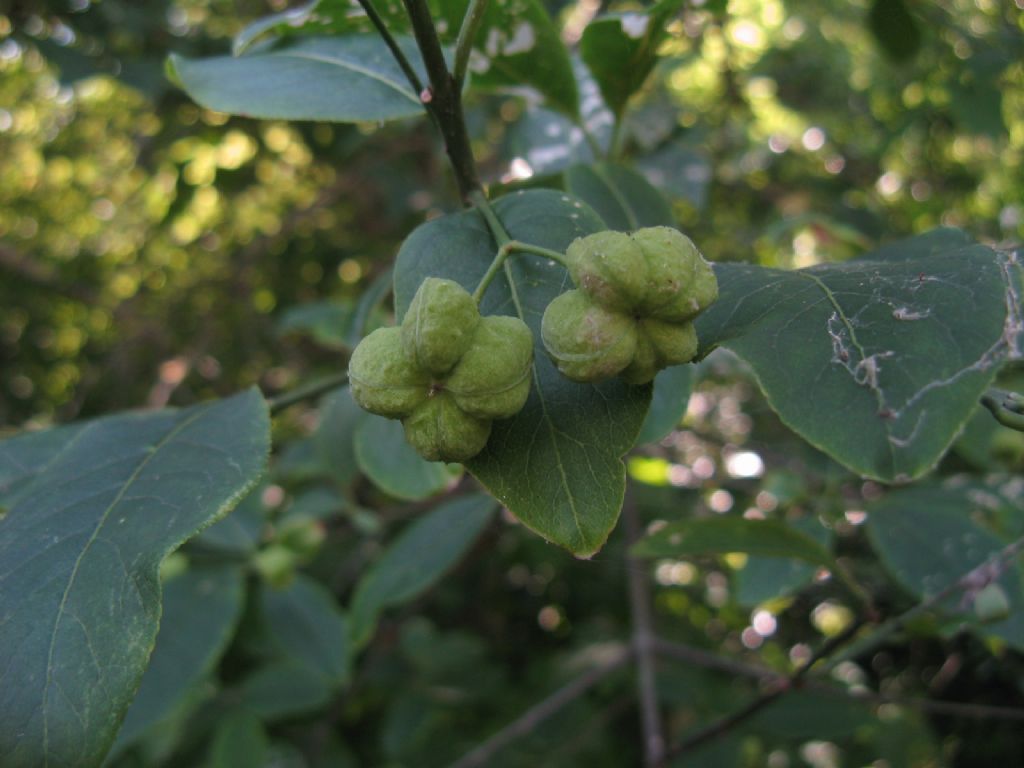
(446, 372)
(632, 310)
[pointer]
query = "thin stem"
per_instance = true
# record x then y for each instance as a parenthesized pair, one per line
(496, 264)
(503, 252)
(498, 231)
(643, 644)
(616, 139)
(444, 99)
(707, 660)
(392, 44)
(592, 142)
(467, 34)
(306, 392)
(777, 687)
(537, 250)
(539, 713)
(506, 244)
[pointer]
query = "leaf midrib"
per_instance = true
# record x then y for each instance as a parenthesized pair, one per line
(74, 571)
(547, 419)
(345, 64)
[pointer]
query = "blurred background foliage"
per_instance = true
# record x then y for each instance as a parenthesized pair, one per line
(153, 252)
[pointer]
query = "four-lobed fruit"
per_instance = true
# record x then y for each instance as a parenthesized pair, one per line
(446, 372)
(632, 310)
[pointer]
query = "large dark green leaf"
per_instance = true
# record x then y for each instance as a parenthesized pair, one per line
(200, 609)
(928, 538)
(623, 198)
(339, 79)
(556, 465)
(417, 559)
(878, 361)
(79, 553)
(722, 535)
(621, 49)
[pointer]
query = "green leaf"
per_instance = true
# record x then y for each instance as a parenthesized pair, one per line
(283, 689)
(878, 361)
(517, 45)
(669, 399)
(26, 456)
(765, 578)
(393, 465)
(305, 622)
(200, 611)
(81, 548)
(722, 535)
(417, 559)
(556, 464)
(927, 538)
(240, 741)
(621, 197)
(620, 49)
(334, 439)
(895, 29)
(339, 79)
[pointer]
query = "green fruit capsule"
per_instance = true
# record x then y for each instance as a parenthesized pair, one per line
(440, 431)
(659, 345)
(382, 378)
(680, 283)
(439, 326)
(492, 380)
(609, 267)
(586, 341)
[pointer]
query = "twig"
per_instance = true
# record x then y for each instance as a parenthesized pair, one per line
(306, 392)
(537, 714)
(708, 660)
(444, 98)
(464, 45)
(643, 644)
(974, 579)
(775, 689)
(392, 44)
